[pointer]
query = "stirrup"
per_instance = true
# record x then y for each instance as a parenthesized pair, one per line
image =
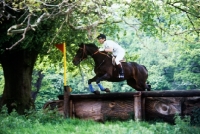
(121, 76)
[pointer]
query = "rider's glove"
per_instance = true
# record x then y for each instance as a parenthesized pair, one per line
(101, 49)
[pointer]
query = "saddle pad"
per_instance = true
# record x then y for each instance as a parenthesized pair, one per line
(113, 60)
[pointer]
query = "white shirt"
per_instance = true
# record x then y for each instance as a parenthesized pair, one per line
(117, 49)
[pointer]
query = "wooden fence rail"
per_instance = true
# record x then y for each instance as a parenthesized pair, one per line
(146, 105)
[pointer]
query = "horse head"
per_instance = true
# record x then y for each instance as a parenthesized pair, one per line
(83, 51)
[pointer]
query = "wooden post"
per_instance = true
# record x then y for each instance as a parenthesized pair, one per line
(137, 107)
(70, 109)
(66, 101)
(143, 108)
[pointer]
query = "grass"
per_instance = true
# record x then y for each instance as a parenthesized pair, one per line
(52, 123)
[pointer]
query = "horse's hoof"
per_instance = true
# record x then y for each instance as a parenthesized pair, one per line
(107, 90)
(149, 87)
(96, 92)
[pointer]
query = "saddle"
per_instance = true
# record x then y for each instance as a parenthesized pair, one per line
(113, 60)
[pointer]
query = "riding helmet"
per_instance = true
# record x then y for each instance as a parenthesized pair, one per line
(101, 36)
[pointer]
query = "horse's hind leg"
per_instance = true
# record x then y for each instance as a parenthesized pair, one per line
(102, 88)
(148, 87)
(135, 85)
(98, 80)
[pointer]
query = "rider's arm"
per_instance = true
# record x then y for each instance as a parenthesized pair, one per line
(110, 49)
(108, 45)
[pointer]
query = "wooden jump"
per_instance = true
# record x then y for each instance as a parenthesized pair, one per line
(146, 105)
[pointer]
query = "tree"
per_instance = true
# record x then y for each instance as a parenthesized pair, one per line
(42, 24)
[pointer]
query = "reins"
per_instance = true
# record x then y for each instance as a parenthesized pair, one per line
(106, 55)
(101, 62)
(84, 52)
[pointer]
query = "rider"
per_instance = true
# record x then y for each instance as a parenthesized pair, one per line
(115, 49)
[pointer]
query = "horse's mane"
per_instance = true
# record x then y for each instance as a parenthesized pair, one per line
(92, 45)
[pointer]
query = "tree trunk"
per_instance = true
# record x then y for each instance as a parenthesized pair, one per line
(18, 68)
(37, 85)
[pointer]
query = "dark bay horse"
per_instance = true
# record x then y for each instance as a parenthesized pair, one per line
(136, 75)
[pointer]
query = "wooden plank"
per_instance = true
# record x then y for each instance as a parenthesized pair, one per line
(190, 104)
(101, 110)
(122, 95)
(104, 95)
(88, 109)
(171, 93)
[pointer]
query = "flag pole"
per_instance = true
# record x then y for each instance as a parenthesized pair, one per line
(67, 89)
(65, 66)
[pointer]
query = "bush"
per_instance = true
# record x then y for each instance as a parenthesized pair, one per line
(195, 118)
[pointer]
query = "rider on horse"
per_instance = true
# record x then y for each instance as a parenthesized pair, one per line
(115, 49)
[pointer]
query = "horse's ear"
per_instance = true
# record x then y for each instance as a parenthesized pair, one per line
(81, 44)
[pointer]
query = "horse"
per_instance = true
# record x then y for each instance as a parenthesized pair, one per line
(135, 74)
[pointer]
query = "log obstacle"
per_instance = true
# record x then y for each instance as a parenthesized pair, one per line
(145, 105)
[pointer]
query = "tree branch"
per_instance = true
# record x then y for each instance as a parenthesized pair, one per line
(23, 35)
(172, 4)
(193, 25)
(65, 8)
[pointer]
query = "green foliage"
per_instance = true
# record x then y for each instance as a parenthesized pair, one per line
(188, 66)
(42, 122)
(52, 86)
(166, 17)
(183, 125)
(195, 118)
(33, 119)
(1, 81)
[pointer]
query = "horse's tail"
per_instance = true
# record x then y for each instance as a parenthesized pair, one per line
(144, 67)
(148, 86)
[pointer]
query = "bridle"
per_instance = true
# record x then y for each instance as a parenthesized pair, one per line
(84, 55)
(84, 52)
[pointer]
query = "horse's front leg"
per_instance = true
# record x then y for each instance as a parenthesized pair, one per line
(90, 84)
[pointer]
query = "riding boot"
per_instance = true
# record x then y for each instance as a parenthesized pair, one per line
(120, 70)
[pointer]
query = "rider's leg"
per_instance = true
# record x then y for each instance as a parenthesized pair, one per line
(119, 57)
(120, 70)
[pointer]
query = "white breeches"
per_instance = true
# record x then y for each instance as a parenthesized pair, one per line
(119, 57)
